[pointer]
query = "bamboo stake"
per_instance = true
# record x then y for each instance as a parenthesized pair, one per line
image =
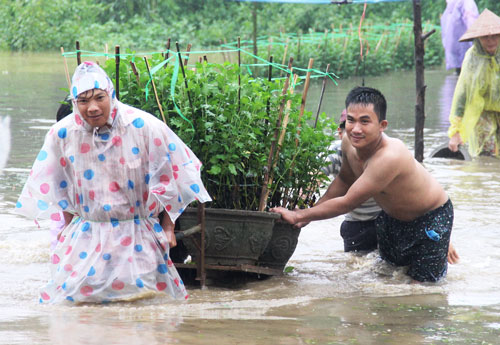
(66, 69)
(304, 97)
(168, 52)
(136, 73)
(117, 77)
(78, 53)
(188, 49)
(321, 95)
(269, 77)
(265, 185)
(154, 90)
(239, 74)
(184, 75)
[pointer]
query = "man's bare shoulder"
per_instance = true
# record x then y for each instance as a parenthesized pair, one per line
(391, 150)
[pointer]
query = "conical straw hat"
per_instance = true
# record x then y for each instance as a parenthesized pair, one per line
(488, 23)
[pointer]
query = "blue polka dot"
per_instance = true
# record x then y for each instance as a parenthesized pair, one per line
(105, 136)
(19, 205)
(139, 283)
(42, 155)
(157, 227)
(168, 157)
(136, 220)
(138, 123)
(75, 92)
(63, 203)
(146, 178)
(106, 256)
(88, 174)
(138, 248)
(96, 85)
(130, 184)
(83, 255)
(113, 95)
(181, 211)
(165, 257)
(62, 133)
(72, 159)
(92, 270)
(69, 298)
(114, 222)
(86, 208)
(135, 150)
(42, 205)
(137, 203)
(101, 157)
(80, 197)
(195, 188)
(179, 198)
(63, 184)
(172, 147)
(162, 268)
(63, 286)
(85, 227)
(106, 207)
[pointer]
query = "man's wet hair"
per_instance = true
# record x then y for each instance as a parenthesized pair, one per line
(366, 96)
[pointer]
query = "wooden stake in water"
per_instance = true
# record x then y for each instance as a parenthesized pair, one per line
(78, 53)
(117, 76)
(154, 90)
(66, 69)
(168, 52)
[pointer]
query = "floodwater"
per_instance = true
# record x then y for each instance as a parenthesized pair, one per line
(330, 297)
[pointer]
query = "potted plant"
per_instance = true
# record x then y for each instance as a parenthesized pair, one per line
(250, 135)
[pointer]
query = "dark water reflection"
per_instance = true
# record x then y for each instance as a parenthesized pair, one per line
(329, 298)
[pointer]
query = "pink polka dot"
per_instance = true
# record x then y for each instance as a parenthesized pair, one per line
(126, 241)
(77, 197)
(114, 186)
(98, 248)
(176, 281)
(78, 120)
(70, 248)
(55, 217)
(55, 259)
(122, 160)
(44, 188)
(145, 196)
(159, 191)
(62, 238)
(130, 259)
(79, 183)
(45, 296)
(62, 161)
(113, 114)
(187, 296)
(85, 148)
(91, 195)
(187, 153)
(176, 175)
(164, 179)
(68, 268)
(86, 290)
(117, 141)
(74, 274)
(175, 168)
(132, 210)
(161, 286)
(130, 111)
(117, 285)
(168, 208)
(157, 141)
(169, 263)
(152, 206)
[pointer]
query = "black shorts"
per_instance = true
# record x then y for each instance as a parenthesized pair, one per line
(359, 235)
(421, 244)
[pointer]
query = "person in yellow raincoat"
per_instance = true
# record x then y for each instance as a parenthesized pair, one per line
(475, 110)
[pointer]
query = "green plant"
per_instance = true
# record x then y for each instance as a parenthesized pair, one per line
(231, 126)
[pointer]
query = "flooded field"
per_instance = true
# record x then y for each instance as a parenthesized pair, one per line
(330, 297)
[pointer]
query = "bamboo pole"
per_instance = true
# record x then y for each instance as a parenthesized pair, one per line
(66, 69)
(239, 73)
(155, 92)
(117, 76)
(188, 49)
(136, 73)
(265, 185)
(321, 95)
(419, 81)
(304, 97)
(78, 53)
(167, 52)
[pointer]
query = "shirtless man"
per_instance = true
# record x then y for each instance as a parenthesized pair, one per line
(414, 226)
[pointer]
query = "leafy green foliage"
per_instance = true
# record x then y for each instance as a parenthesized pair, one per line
(233, 135)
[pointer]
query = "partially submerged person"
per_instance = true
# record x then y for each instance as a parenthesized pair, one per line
(456, 19)
(414, 226)
(475, 110)
(111, 169)
(358, 228)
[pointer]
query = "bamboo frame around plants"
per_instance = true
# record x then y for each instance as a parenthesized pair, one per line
(155, 92)
(265, 184)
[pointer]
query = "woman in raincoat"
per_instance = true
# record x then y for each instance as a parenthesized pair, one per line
(475, 111)
(111, 169)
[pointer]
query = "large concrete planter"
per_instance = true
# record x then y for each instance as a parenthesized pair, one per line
(281, 246)
(232, 237)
